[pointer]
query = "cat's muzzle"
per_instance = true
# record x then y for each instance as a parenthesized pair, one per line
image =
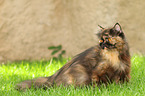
(107, 45)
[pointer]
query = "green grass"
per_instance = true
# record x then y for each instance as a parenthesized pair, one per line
(11, 73)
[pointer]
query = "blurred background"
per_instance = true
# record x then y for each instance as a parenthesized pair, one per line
(29, 27)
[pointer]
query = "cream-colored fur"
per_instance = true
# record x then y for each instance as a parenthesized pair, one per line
(112, 56)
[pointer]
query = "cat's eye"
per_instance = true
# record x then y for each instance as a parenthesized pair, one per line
(110, 39)
(100, 41)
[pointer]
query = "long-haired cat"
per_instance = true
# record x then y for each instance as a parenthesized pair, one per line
(107, 62)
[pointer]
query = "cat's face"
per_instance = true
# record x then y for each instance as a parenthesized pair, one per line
(112, 38)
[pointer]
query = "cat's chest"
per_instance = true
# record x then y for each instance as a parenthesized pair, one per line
(111, 57)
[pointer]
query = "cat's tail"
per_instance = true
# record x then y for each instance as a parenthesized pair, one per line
(41, 82)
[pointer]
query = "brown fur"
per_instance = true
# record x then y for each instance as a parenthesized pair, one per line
(105, 63)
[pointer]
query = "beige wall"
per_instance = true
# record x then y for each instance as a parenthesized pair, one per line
(29, 27)
(132, 17)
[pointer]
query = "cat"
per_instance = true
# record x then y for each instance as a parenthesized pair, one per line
(107, 62)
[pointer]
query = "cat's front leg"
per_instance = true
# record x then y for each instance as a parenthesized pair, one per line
(96, 74)
(117, 79)
(94, 78)
(122, 78)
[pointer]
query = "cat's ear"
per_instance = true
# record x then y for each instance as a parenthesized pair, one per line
(117, 27)
(101, 27)
(100, 32)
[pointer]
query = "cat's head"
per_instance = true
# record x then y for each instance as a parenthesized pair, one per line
(111, 38)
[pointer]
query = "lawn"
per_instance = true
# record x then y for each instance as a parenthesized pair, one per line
(11, 73)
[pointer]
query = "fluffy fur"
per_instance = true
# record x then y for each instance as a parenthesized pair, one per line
(107, 62)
